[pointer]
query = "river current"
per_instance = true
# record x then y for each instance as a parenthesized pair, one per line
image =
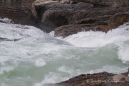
(38, 58)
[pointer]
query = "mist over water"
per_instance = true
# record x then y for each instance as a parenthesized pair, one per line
(38, 58)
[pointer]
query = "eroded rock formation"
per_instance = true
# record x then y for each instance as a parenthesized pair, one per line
(100, 15)
(49, 15)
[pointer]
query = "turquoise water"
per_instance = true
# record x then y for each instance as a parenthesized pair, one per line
(38, 58)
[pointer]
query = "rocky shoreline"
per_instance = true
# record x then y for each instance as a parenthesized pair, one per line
(97, 79)
(68, 17)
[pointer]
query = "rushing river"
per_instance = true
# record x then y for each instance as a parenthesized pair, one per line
(37, 58)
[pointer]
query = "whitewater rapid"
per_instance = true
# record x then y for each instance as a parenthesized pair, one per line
(38, 58)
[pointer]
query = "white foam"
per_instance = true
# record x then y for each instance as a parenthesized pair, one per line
(110, 69)
(66, 70)
(37, 50)
(5, 69)
(13, 31)
(123, 53)
(118, 36)
(40, 62)
(98, 39)
(51, 78)
(52, 33)
(5, 20)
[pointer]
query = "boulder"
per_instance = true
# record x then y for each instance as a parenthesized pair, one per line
(67, 30)
(56, 14)
(96, 79)
(38, 3)
(50, 14)
(95, 24)
(17, 10)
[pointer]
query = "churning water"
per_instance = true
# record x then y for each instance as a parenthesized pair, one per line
(37, 58)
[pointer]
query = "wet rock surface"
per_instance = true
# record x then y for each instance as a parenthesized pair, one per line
(67, 30)
(51, 15)
(94, 13)
(97, 79)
